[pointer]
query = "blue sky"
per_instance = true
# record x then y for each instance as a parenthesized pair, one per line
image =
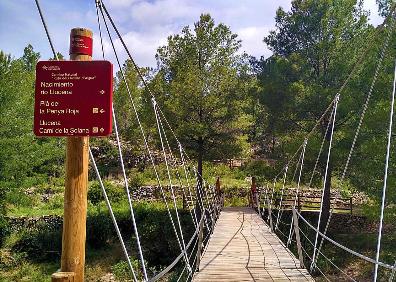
(145, 24)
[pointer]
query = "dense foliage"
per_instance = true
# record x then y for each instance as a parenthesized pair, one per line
(222, 104)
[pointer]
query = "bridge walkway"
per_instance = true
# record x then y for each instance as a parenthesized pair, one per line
(242, 248)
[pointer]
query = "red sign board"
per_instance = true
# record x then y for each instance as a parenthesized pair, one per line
(73, 98)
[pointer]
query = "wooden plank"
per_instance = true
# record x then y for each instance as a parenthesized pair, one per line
(243, 248)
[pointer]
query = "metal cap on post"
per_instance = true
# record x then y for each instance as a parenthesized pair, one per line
(75, 202)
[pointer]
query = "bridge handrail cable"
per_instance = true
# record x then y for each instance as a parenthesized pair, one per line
(368, 259)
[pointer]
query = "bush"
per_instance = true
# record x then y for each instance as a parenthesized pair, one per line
(122, 272)
(20, 199)
(4, 229)
(56, 201)
(115, 192)
(156, 232)
(42, 243)
(260, 169)
(136, 179)
(100, 230)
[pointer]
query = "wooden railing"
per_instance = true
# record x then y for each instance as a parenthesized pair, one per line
(303, 201)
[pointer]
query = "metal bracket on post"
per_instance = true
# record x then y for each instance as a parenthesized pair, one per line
(298, 240)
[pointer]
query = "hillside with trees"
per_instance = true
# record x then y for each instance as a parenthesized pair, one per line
(222, 104)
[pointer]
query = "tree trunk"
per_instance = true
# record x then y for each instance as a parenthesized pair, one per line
(326, 200)
(199, 177)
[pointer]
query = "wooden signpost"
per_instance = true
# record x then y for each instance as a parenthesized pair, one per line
(74, 99)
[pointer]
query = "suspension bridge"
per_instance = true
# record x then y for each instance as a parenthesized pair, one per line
(270, 240)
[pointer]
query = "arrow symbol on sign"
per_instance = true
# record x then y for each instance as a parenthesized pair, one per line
(45, 67)
(102, 111)
(102, 92)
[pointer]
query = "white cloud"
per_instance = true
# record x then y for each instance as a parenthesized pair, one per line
(120, 3)
(372, 6)
(145, 24)
(162, 12)
(142, 47)
(252, 40)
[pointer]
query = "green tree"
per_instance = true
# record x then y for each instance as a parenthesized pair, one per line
(276, 96)
(30, 58)
(22, 155)
(122, 101)
(321, 40)
(385, 7)
(204, 86)
(128, 127)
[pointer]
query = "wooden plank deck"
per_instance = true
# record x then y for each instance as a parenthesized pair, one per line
(242, 248)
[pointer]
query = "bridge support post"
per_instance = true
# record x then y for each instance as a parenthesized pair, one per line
(218, 196)
(63, 277)
(76, 186)
(258, 196)
(270, 216)
(199, 247)
(298, 240)
(269, 212)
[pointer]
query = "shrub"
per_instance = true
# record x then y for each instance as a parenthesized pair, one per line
(56, 201)
(136, 179)
(260, 169)
(95, 194)
(20, 199)
(122, 272)
(4, 229)
(115, 192)
(100, 230)
(42, 243)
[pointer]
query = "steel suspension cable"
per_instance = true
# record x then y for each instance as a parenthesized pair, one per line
(351, 74)
(142, 131)
(366, 103)
(288, 189)
(373, 261)
(170, 184)
(175, 164)
(97, 5)
(325, 178)
(321, 253)
(307, 136)
(281, 197)
(388, 148)
(46, 30)
(320, 150)
(94, 164)
(125, 47)
(200, 198)
(188, 181)
(298, 188)
(365, 106)
(182, 154)
(104, 9)
(288, 192)
(113, 218)
(126, 184)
